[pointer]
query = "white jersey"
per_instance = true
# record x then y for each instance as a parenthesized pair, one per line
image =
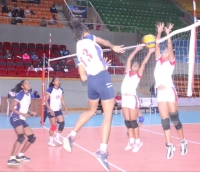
(23, 105)
(55, 98)
(163, 72)
(90, 55)
(130, 83)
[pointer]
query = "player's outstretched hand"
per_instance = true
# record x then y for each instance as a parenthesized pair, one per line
(138, 48)
(169, 28)
(152, 50)
(160, 27)
(118, 49)
(107, 61)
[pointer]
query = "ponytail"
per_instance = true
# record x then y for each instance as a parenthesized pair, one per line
(18, 87)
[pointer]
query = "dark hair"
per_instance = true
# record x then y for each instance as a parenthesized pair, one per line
(51, 83)
(79, 28)
(135, 62)
(18, 87)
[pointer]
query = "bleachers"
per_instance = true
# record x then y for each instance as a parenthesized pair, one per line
(188, 5)
(181, 82)
(140, 13)
(41, 10)
(17, 67)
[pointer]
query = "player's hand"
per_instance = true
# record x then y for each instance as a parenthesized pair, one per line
(118, 49)
(34, 114)
(152, 50)
(52, 113)
(107, 61)
(66, 112)
(160, 27)
(169, 28)
(138, 48)
(26, 115)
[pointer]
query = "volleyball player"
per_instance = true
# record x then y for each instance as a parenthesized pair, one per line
(20, 111)
(166, 95)
(130, 102)
(92, 68)
(54, 99)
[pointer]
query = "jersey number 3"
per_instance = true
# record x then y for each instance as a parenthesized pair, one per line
(86, 57)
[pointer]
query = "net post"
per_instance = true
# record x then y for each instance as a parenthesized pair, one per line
(43, 88)
(49, 56)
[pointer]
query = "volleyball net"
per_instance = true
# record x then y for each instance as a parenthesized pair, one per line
(186, 74)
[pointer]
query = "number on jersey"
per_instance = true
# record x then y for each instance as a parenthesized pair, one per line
(86, 57)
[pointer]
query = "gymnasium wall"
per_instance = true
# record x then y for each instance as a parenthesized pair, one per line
(29, 34)
(75, 90)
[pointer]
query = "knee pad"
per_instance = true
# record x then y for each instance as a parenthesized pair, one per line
(141, 119)
(31, 138)
(134, 124)
(61, 126)
(53, 128)
(175, 120)
(127, 123)
(165, 124)
(21, 138)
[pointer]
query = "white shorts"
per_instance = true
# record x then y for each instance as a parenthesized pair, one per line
(167, 95)
(130, 101)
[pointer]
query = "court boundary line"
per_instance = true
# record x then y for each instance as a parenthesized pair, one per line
(198, 143)
(86, 150)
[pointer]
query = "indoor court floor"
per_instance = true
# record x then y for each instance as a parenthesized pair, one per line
(151, 156)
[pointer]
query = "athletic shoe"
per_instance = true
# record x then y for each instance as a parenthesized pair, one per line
(129, 146)
(22, 158)
(170, 150)
(137, 147)
(13, 162)
(184, 148)
(57, 140)
(67, 144)
(51, 143)
(102, 158)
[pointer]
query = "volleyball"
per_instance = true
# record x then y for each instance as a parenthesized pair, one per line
(149, 41)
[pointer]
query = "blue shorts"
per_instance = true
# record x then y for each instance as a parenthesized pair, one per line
(16, 122)
(57, 113)
(100, 86)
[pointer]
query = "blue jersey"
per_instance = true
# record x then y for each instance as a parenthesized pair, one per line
(24, 101)
(90, 55)
(55, 98)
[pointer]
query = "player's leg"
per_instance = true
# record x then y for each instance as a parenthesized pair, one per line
(165, 121)
(18, 126)
(53, 128)
(84, 117)
(174, 115)
(141, 118)
(127, 120)
(61, 123)
(135, 127)
(31, 139)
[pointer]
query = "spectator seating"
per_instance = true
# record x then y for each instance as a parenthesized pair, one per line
(17, 67)
(188, 5)
(140, 13)
(41, 10)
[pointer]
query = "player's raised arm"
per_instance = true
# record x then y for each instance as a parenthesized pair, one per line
(159, 28)
(115, 48)
(144, 62)
(169, 42)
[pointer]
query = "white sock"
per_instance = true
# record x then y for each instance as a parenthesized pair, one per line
(103, 147)
(12, 157)
(57, 135)
(21, 154)
(137, 141)
(131, 140)
(73, 133)
(51, 139)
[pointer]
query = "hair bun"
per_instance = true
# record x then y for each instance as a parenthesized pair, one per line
(76, 23)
